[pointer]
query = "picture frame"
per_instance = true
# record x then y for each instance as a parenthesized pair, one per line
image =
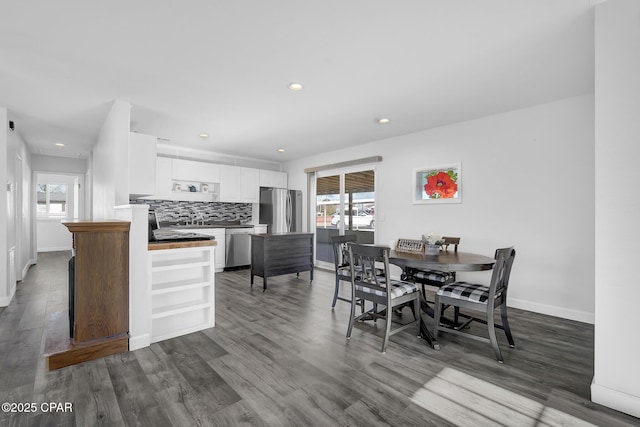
(438, 184)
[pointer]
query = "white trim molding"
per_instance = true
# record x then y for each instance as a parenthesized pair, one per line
(552, 310)
(615, 399)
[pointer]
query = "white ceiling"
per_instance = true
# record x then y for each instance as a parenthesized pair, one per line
(223, 67)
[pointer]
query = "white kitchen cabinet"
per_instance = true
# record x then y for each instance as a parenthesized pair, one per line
(239, 185)
(219, 234)
(273, 179)
(167, 188)
(163, 177)
(182, 291)
(142, 164)
(250, 185)
(230, 184)
(188, 170)
(260, 229)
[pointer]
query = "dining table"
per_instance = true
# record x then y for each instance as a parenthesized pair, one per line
(445, 261)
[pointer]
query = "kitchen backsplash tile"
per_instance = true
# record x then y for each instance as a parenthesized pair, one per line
(179, 211)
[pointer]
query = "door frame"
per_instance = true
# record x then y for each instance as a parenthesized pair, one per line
(341, 172)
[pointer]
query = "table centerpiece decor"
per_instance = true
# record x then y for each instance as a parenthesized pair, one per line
(432, 243)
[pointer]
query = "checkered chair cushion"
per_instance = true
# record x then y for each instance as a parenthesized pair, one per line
(434, 276)
(400, 288)
(345, 270)
(465, 291)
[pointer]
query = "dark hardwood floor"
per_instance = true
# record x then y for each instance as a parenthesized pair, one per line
(280, 358)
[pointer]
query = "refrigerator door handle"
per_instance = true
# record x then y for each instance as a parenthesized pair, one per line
(289, 211)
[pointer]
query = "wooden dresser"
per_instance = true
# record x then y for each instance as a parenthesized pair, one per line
(281, 253)
(98, 317)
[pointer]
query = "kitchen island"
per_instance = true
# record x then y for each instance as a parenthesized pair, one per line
(182, 279)
(274, 254)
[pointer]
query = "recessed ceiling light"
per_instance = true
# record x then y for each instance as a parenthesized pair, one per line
(204, 135)
(280, 150)
(59, 144)
(383, 120)
(295, 86)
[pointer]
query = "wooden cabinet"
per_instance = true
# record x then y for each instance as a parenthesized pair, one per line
(273, 179)
(182, 290)
(277, 254)
(98, 315)
(142, 164)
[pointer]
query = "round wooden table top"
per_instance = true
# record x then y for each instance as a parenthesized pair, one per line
(445, 261)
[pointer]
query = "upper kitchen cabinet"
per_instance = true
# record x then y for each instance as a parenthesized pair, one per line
(273, 179)
(187, 170)
(142, 164)
(239, 185)
(194, 187)
(250, 181)
(164, 181)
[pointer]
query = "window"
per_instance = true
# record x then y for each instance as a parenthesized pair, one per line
(52, 200)
(345, 204)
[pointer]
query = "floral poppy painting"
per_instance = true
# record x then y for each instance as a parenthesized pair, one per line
(438, 184)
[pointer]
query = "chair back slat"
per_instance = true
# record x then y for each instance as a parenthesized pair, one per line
(501, 272)
(367, 259)
(455, 241)
(340, 249)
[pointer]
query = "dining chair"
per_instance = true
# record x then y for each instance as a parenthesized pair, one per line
(341, 262)
(373, 283)
(434, 278)
(480, 298)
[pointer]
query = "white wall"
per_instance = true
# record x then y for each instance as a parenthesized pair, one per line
(616, 381)
(5, 294)
(51, 234)
(54, 164)
(22, 226)
(110, 162)
(527, 181)
(139, 276)
(15, 209)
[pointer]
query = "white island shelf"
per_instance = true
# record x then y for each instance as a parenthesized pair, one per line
(182, 289)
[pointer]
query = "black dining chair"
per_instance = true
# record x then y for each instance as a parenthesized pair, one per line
(370, 282)
(480, 298)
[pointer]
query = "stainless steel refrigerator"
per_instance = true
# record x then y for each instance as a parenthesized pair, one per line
(281, 209)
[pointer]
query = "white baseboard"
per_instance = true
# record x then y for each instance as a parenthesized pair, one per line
(5, 301)
(140, 341)
(55, 249)
(551, 310)
(26, 268)
(615, 399)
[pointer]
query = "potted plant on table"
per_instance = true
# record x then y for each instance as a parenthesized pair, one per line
(432, 243)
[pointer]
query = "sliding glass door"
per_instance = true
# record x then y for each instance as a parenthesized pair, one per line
(345, 204)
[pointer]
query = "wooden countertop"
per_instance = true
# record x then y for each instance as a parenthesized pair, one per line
(286, 233)
(179, 245)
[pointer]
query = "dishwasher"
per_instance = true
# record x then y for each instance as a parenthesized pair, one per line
(238, 246)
